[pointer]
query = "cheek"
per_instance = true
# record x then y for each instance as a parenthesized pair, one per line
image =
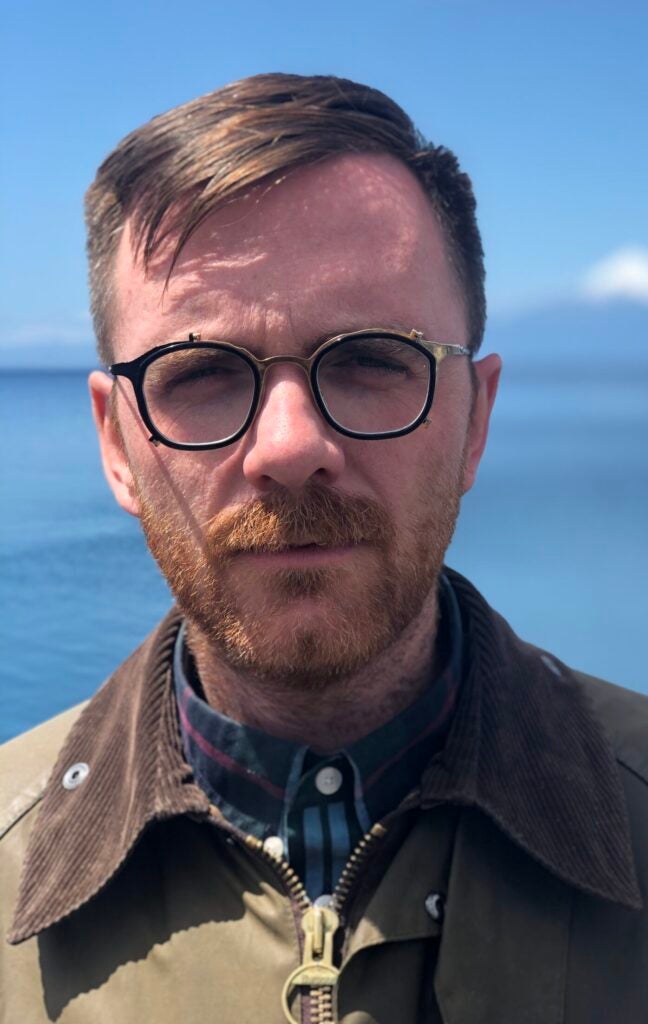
(419, 474)
(183, 478)
(176, 485)
(394, 472)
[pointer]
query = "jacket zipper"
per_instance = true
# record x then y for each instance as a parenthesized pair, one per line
(317, 974)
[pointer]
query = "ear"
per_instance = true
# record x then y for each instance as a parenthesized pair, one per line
(487, 374)
(111, 443)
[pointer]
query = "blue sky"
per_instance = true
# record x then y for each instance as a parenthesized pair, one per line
(545, 104)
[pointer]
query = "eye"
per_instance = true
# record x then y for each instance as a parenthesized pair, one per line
(199, 373)
(374, 359)
(380, 354)
(191, 368)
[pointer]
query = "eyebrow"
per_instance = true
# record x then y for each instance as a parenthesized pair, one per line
(386, 325)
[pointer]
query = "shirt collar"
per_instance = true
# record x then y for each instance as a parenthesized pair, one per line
(524, 748)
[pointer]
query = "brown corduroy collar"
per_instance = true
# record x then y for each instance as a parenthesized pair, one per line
(524, 748)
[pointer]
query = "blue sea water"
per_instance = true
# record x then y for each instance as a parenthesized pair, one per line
(555, 534)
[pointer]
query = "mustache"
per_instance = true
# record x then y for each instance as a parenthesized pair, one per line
(318, 515)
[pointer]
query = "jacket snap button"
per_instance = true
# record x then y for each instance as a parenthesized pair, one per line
(75, 775)
(434, 904)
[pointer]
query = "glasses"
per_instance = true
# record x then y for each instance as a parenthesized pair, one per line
(371, 384)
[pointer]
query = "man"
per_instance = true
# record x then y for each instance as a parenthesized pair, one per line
(332, 785)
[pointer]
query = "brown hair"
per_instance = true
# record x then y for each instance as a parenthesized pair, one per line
(171, 173)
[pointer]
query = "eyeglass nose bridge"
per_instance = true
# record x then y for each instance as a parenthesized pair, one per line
(263, 365)
(305, 362)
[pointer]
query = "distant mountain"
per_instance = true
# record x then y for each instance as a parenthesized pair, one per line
(589, 337)
(76, 355)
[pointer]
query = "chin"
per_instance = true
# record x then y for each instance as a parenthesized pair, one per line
(298, 656)
(309, 634)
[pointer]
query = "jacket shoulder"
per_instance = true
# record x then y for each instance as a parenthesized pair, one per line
(623, 714)
(26, 763)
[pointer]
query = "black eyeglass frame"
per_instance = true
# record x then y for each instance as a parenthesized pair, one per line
(135, 370)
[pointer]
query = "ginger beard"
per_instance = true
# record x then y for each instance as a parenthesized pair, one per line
(304, 626)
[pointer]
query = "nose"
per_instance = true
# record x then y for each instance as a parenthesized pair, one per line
(290, 443)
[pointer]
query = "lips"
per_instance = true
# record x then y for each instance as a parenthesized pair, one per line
(308, 555)
(301, 545)
(279, 547)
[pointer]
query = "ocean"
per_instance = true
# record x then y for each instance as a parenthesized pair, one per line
(554, 534)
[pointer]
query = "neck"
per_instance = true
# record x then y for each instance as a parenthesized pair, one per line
(333, 716)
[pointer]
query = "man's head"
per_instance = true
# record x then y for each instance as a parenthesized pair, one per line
(300, 553)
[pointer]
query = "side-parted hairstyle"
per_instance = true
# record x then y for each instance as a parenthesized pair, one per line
(173, 172)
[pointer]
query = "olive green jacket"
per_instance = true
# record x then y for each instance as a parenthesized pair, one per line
(508, 889)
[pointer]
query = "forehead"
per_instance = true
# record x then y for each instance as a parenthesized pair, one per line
(349, 243)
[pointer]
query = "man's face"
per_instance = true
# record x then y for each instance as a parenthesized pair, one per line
(353, 532)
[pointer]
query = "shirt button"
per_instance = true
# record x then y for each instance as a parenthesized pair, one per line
(328, 780)
(75, 775)
(324, 900)
(274, 846)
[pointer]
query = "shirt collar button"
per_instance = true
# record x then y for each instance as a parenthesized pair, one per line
(328, 780)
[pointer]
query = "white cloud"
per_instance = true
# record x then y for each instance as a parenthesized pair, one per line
(622, 274)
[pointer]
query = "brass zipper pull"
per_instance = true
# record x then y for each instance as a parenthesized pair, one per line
(317, 969)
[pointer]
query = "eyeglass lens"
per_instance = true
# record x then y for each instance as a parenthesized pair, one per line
(199, 396)
(368, 385)
(373, 385)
